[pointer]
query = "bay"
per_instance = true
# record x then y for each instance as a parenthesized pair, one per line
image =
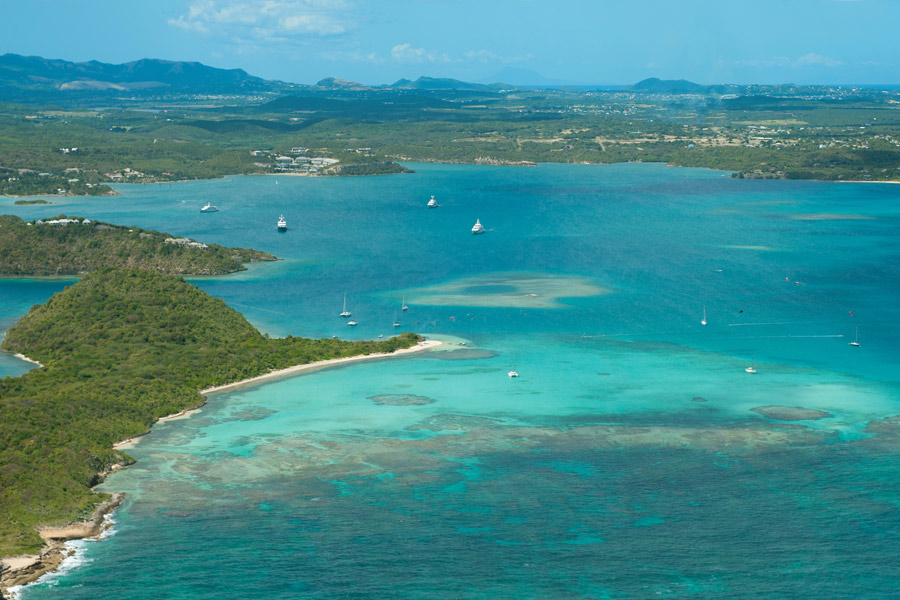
(625, 461)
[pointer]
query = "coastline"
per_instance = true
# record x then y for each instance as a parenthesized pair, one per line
(864, 181)
(25, 358)
(426, 345)
(27, 568)
(24, 569)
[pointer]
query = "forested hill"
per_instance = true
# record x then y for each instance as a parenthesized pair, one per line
(60, 247)
(120, 349)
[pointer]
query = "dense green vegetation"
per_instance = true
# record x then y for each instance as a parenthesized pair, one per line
(26, 183)
(120, 349)
(40, 248)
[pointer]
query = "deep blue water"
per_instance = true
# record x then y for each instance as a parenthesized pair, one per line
(624, 462)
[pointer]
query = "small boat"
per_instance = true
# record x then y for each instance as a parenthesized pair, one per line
(209, 208)
(433, 203)
(282, 224)
(752, 368)
(513, 373)
(351, 323)
(703, 322)
(346, 313)
(856, 341)
(403, 305)
(477, 227)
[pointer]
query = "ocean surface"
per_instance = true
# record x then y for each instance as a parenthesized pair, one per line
(634, 457)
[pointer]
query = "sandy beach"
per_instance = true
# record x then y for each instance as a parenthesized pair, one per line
(426, 345)
(25, 358)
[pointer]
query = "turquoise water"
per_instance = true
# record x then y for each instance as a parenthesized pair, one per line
(625, 461)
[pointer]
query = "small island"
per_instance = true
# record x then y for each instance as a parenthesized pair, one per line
(72, 245)
(118, 350)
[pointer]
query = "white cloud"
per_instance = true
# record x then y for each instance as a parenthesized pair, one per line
(817, 59)
(266, 20)
(406, 53)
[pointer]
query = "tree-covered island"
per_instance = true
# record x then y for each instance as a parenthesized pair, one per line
(70, 246)
(120, 349)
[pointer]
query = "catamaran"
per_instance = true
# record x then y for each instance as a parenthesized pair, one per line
(433, 203)
(345, 313)
(209, 208)
(351, 323)
(282, 224)
(477, 227)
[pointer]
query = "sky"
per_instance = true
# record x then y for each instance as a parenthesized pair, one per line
(590, 42)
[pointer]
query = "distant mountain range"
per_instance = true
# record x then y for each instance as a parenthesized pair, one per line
(35, 80)
(654, 85)
(37, 77)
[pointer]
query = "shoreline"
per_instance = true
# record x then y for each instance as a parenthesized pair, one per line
(27, 568)
(26, 359)
(24, 569)
(426, 345)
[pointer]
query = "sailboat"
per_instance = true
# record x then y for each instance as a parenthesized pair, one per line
(856, 341)
(752, 368)
(403, 305)
(351, 323)
(703, 322)
(345, 313)
(513, 372)
(396, 322)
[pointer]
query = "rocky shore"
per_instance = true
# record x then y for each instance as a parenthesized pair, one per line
(19, 570)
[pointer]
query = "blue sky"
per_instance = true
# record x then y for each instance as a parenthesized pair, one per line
(573, 41)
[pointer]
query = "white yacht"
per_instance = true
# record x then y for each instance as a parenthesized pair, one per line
(209, 208)
(433, 203)
(351, 323)
(282, 224)
(477, 227)
(752, 368)
(346, 313)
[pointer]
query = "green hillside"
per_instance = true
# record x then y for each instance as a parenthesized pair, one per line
(120, 349)
(42, 248)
